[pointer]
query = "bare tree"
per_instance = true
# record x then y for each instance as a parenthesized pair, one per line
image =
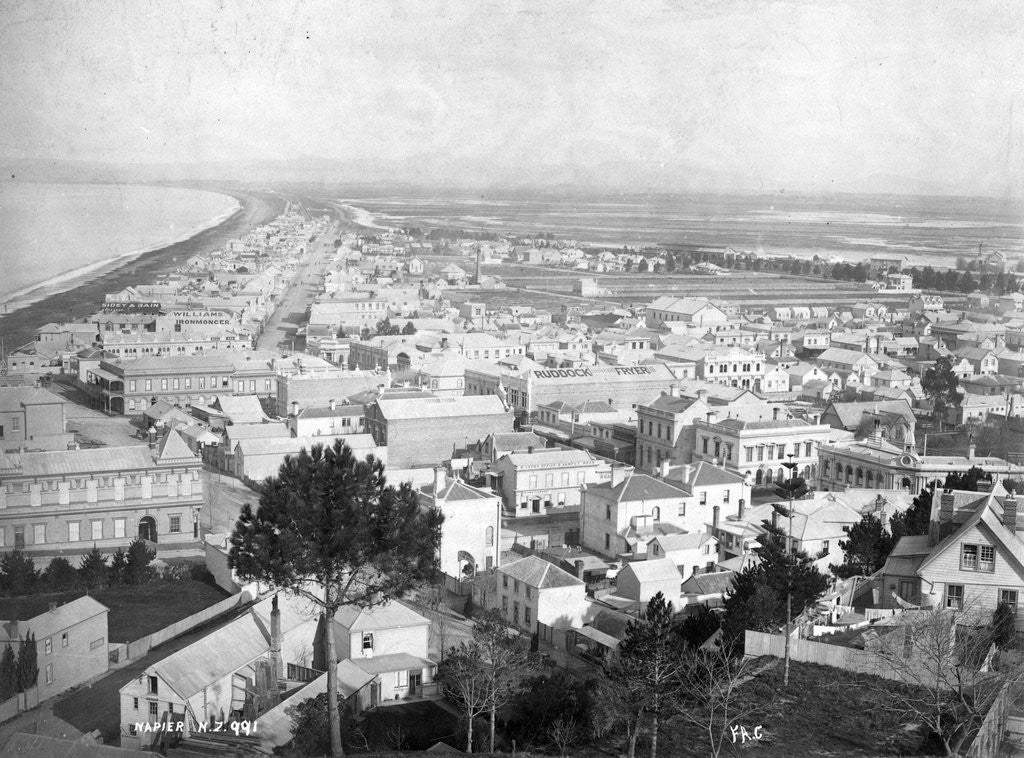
(464, 682)
(564, 732)
(949, 671)
(432, 599)
(710, 696)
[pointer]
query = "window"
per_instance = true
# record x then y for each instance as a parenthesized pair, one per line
(119, 525)
(533, 481)
(368, 641)
(954, 596)
(749, 452)
(824, 546)
(515, 586)
(607, 541)
(149, 385)
(987, 558)
(704, 444)
(607, 512)
(969, 558)
(526, 614)
(98, 643)
(1009, 597)
(489, 536)
(39, 533)
(504, 602)
(725, 496)
(73, 531)
(152, 685)
(49, 673)
(175, 524)
(176, 383)
(163, 384)
(656, 513)
(154, 708)
(97, 530)
(704, 497)
(135, 703)
(504, 581)
(188, 383)
(529, 591)
(64, 639)
(19, 538)
(807, 450)
(515, 612)
(48, 646)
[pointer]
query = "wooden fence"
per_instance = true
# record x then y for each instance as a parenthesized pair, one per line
(757, 644)
(138, 648)
(22, 701)
(989, 739)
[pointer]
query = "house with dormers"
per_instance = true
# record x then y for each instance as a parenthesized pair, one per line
(971, 559)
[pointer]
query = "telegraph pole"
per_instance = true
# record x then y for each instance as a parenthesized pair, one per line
(789, 567)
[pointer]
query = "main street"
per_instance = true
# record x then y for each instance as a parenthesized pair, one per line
(280, 332)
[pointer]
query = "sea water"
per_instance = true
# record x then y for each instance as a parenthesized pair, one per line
(55, 232)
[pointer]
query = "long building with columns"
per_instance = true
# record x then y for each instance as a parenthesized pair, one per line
(876, 463)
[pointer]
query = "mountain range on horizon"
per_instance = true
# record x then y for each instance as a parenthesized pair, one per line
(440, 174)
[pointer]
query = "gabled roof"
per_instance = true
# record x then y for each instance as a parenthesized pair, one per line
(536, 572)
(457, 490)
(173, 448)
(393, 615)
(62, 617)
(988, 517)
(718, 582)
(638, 487)
(707, 475)
(682, 541)
(656, 570)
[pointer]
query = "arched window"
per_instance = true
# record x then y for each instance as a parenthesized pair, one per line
(849, 474)
(860, 476)
(656, 513)
(490, 536)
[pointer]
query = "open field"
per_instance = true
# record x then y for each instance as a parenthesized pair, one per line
(135, 611)
(535, 285)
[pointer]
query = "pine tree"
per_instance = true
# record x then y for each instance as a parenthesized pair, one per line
(27, 670)
(865, 551)
(93, 571)
(118, 568)
(8, 674)
(60, 576)
(137, 560)
(18, 573)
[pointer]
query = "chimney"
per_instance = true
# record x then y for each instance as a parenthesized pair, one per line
(702, 395)
(970, 450)
(332, 404)
(53, 606)
(578, 565)
(739, 511)
(439, 480)
(529, 449)
(275, 642)
(714, 515)
(665, 466)
(687, 473)
(295, 407)
(1010, 512)
(618, 475)
(696, 570)
(946, 503)
(712, 416)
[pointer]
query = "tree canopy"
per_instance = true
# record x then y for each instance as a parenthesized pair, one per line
(331, 529)
(865, 550)
(939, 384)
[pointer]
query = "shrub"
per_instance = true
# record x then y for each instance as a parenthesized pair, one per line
(60, 576)
(93, 571)
(137, 569)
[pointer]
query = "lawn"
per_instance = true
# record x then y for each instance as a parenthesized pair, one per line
(135, 611)
(823, 712)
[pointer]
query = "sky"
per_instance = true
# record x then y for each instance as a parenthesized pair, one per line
(848, 96)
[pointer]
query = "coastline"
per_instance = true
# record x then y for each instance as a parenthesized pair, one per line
(86, 295)
(18, 299)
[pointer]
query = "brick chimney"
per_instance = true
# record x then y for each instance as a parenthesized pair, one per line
(714, 515)
(275, 642)
(739, 510)
(1010, 512)
(332, 404)
(578, 565)
(665, 466)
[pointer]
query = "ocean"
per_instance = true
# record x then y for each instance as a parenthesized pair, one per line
(51, 235)
(926, 230)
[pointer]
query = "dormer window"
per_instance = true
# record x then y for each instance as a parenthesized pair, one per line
(368, 642)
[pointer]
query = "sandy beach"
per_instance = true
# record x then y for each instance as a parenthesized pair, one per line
(85, 296)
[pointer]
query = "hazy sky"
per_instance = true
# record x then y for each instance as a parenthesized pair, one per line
(791, 95)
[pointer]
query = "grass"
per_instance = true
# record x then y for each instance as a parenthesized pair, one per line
(135, 611)
(823, 712)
